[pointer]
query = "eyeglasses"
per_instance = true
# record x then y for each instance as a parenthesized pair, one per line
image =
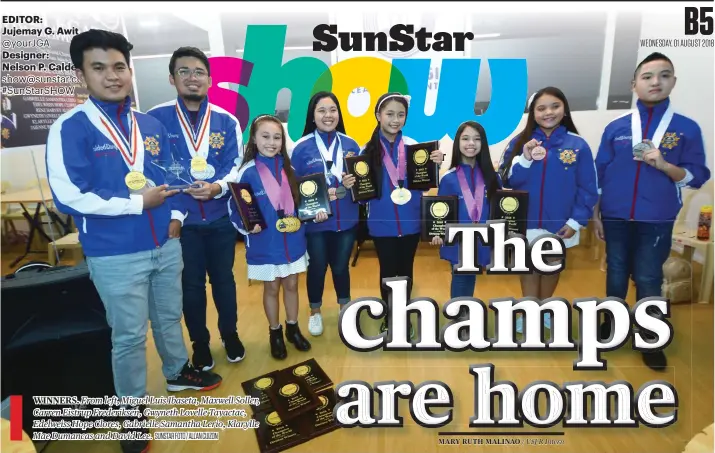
(185, 73)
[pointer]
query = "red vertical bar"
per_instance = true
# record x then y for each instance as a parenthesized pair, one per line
(16, 417)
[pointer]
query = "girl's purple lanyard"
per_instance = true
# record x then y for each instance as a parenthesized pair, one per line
(474, 201)
(395, 178)
(279, 195)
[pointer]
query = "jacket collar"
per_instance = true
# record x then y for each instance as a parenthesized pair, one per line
(557, 134)
(113, 109)
(656, 111)
(327, 137)
(202, 108)
(270, 161)
(386, 142)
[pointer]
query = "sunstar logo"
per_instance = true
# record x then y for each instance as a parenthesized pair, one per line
(623, 137)
(261, 74)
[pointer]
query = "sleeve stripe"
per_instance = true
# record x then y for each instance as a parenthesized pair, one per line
(67, 193)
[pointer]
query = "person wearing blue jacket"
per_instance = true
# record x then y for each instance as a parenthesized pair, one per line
(393, 218)
(323, 149)
(645, 159)
(104, 169)
(209, 143)
(555, 165)
(472, 179)
(278, 253)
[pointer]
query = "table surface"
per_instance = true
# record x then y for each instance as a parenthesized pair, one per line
(33, 195)
(690, 239)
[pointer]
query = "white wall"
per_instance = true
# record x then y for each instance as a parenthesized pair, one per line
(16, 166)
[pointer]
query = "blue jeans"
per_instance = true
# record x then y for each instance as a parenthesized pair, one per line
(136, 288)
(329, 248)
(462, 285)
(211, 248)
(637, 249)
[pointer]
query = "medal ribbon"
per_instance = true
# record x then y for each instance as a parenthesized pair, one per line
(279, 194)
(637, 131)
(337, 157)
(474, 201)
(132, 151)
(195, 140)
(401, 163)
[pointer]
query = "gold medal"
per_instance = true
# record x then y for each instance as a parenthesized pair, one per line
(135, 180)
(288, 224)
(199, 164)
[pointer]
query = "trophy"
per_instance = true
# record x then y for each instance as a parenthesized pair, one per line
(312, 374)
(512, 206)
(291, 396)
(258, 388)
(247, 206)
(365, 187)
(275, 434)
(176, 175)
(314, 198)
(320, 420)
(437, 212)
(422, 173)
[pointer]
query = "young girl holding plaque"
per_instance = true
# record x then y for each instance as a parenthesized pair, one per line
(277, 254)
(555, 165)
(472, 178)
(322, 149)
(394, 216)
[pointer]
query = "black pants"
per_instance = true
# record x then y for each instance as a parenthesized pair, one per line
(397, 259)
(209, 248)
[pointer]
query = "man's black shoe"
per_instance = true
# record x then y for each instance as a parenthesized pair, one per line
(235, 352)
(139, 443)
(202, 359)
(193, 379)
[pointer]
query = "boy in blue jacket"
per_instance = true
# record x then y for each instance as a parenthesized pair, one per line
(102, 168)
(209, 142)
(645, 159)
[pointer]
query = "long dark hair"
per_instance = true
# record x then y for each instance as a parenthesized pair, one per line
(484, 158)
(310, 125)
(531, 125)
(252, 152)
(373, 148)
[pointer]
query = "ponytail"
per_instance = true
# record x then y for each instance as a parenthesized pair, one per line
(373, 150)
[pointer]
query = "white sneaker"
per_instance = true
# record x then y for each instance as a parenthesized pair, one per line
(315, 324)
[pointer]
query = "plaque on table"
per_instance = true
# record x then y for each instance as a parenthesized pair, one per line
(436, 213)
(313, 193)
(512, 206)
(258, 388)
(320, 420)
(365, 187)
(247, 206)
(422, 173)
(275, 434)
(312, 374)
(291, 396)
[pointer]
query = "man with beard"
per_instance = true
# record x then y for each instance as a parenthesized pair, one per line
(102, 168)
(208, 142)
